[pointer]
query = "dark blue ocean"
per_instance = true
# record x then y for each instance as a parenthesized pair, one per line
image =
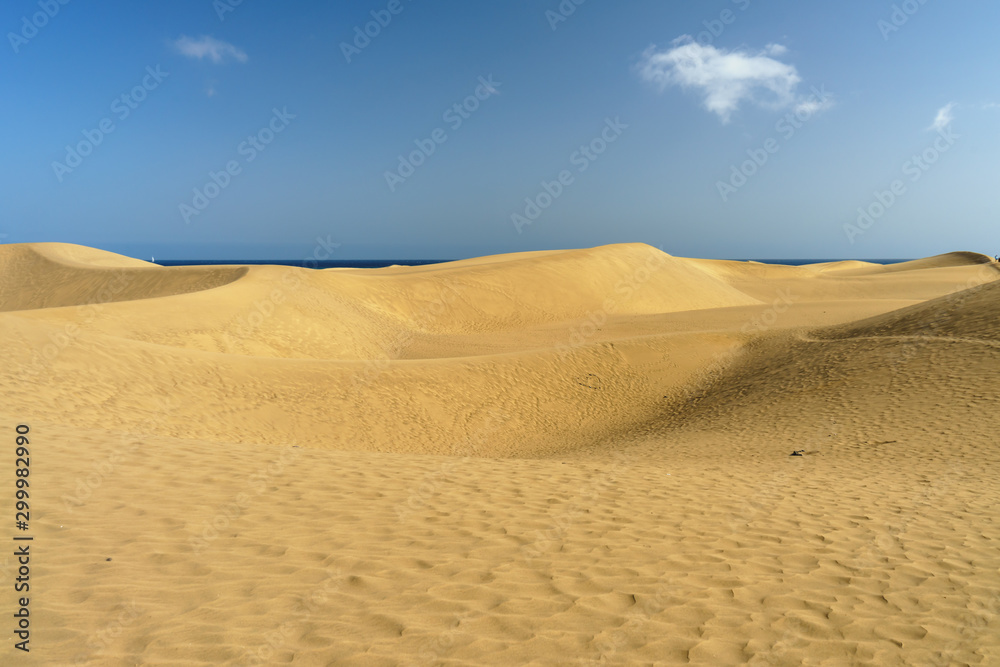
(380, 263)
(311, 264)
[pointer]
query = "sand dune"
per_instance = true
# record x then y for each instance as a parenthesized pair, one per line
(967, 314)
(53, 275)
(566, 457)
(940, 261)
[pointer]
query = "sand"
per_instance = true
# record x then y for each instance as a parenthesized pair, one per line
(555, 458)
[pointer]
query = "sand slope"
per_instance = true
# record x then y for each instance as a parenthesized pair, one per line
(51, 275)
(572, 457)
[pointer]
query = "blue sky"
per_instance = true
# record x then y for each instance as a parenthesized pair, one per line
(252, 130)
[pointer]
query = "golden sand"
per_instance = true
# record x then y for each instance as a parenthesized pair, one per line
(554, 458)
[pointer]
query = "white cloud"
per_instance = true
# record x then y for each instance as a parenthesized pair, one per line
(208, 47)
(727, 79)
(943, 118)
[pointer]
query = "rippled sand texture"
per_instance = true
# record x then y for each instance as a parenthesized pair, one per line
(577, 457)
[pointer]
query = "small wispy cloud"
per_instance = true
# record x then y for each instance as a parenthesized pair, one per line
(813, 105)
(943, 118)
(209, 47)
(727, 79)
